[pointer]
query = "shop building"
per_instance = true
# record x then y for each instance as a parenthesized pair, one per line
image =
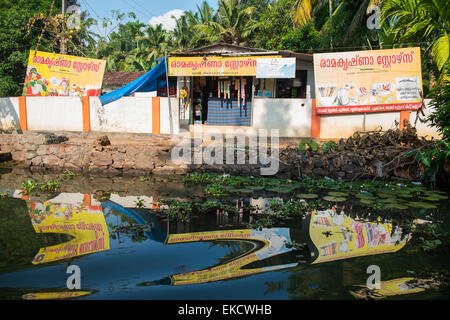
(223, 86)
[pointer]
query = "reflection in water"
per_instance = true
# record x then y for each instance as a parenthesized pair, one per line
(392, 288)
(55, 295)
(336, 236)
(329, 235)
(273, 243)
(85, 223)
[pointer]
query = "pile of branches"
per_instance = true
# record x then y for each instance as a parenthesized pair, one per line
(374, 154)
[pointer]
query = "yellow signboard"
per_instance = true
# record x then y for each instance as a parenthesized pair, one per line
(85, 223)
(337, 236)
(214, 66)
(51, 74)
(368, 81)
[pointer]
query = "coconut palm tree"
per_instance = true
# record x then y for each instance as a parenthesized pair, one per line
(234, 24)
(420, 21)
(303, 10)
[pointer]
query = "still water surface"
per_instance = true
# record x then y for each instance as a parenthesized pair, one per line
(210, 257)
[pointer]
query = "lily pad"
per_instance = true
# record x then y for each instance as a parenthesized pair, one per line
(365, 196)
(279, 189)
(365, 201)
(434, 197)
(255, 188)
(422, 205)
(338, 194)
(396, 206)
(307, 195)
(334, 199)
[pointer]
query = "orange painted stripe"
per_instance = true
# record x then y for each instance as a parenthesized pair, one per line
(87, 199)
(23, 113)
(86, 114)
(315, 121)
(404, 115)
(156, 114)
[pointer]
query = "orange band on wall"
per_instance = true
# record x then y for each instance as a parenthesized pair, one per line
(87, 199)
(156, 114)
(404, 115)
(23, 113)
(86, 114)
(315, 121)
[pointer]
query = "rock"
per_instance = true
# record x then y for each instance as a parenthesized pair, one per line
(167, 170)
(103, 141)
(5, 156)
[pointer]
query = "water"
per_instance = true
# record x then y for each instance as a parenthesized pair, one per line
(211, 257)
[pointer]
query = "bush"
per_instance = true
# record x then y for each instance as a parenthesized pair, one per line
(440, 118)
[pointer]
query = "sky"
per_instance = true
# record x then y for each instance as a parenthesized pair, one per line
(147, 11)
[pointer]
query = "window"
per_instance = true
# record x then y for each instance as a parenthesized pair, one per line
(293, 88)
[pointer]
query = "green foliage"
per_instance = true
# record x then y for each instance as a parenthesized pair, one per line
(67, 174)
(29, 187)
(303, 39)
(50, 186)
(308, 144)
(215, 191)
(139, 203)
(327, 146)
(440, 118)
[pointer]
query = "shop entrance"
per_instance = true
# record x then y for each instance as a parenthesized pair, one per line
(223, 101)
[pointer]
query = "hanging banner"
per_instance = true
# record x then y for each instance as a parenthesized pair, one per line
(272, 68)
(214, 66)
(51, 74)
(368, 81)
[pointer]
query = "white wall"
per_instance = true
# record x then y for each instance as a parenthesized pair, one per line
(128, 114)
(291, 116)
(164, 114)
(9, 113)
(343, 126)
(54, 113)
(423, 129)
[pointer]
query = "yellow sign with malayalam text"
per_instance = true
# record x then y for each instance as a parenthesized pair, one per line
(51, 74)
(368, 81)
(214, 66)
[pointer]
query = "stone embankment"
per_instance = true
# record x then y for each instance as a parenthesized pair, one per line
(78, 153)
(380, 155)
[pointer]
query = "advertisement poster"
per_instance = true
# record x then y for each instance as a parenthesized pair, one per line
(368, 81)
(214, 66)
(272, 68)
(274, 241)
(85, 223)
(337, 237)
(51, 74)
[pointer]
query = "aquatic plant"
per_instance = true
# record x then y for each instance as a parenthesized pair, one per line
(140, 203)
(67, 174)
(50, 186)
(29, 187)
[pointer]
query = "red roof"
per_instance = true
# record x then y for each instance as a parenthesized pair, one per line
(116, 80)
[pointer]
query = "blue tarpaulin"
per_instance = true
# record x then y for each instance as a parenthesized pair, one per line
(146, 83)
